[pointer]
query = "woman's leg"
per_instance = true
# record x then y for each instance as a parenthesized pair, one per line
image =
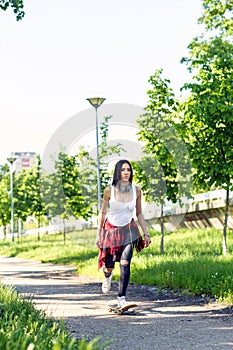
(125, 269)
(109, 266)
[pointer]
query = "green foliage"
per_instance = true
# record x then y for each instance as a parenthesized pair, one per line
(217, 14)
(87, 179)
(208, 116)
(5, 213)
(150, 176)
(165, 170)
(207, 123)
(93, 344)
(27, 196)
(208, 112)
(67, 169)
(17, 6)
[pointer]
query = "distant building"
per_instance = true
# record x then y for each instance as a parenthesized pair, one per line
(24, 160)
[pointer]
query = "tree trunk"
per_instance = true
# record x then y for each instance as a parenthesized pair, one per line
(19, 227)
(224, 240)
(64, 230)
(4, 231)
(38, 232)
(162, 231)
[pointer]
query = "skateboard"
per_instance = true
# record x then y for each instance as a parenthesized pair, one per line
(128, 309)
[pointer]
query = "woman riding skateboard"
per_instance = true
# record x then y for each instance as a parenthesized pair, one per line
(118, 233)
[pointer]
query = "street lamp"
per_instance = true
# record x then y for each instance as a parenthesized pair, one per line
(11, 160)
(96, 102)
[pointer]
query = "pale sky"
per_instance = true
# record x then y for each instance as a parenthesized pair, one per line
(65, 51)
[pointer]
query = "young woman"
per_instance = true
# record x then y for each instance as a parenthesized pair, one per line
(118, 232)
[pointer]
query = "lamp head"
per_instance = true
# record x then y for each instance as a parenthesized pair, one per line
(11, 160)
(96, 101)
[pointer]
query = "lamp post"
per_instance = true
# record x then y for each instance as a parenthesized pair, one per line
(11, 160)
(96, 102)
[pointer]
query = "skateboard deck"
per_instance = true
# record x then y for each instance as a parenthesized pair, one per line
(128, 309)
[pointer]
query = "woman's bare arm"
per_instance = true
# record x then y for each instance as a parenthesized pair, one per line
(103, 210)
(140, 216)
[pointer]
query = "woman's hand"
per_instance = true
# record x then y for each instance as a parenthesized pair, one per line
(97, 242)
(98, 235)
(97, 239)
(147, 240)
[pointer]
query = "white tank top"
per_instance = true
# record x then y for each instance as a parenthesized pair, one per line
(121, 213)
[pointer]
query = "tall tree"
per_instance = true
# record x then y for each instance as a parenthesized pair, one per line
(208, 112)
(23, 195)
(16, 5)
(164, 172)
(32, 195)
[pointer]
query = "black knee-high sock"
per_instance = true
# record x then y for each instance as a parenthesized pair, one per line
(125, 269)
(124, 279)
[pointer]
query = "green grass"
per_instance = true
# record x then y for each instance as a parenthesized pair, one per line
(192, 262)
(25, 328)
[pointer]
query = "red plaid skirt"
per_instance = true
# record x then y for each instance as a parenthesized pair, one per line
(113, 238)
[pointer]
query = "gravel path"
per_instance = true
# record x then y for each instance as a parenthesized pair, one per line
(164, 321)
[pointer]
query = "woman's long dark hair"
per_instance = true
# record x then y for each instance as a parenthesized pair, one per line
(117, 171)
